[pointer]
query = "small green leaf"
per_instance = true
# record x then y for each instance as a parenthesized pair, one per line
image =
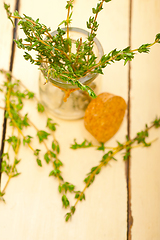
(39, 162)
(46, 157)
(53, 155)
(88, 180)
(98, 171)
(14, 141)
(65, 201)
(27, 139)
(102, 147)
(144, 48)
(156, 122)
(51, 125)
(16, 161)
(71, 187)
(120, 144)
(25, 120)
(82, 197)
(84, 144)
(36, 152)
(73, 209)
(157, 37)
(58, 149)
(9, 14)
(40, 107)
(16, 174)
(1, 196)
(60, 188)
(30, 94)
(126, 156)
(57, 163)
(42, 135)
(77, 195)
(93, 169)
(55, 172)
(67, 216)
(65, 186)
(5, 155)
(53, 145)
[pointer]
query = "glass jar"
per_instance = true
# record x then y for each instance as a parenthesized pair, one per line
(51, 94)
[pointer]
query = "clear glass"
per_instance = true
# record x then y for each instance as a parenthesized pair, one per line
(52, 96)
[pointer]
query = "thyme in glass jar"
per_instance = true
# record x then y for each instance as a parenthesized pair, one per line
(55, 51)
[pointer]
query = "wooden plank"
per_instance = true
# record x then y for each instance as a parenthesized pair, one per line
(33, 208)
(5, 51)
(145, 97)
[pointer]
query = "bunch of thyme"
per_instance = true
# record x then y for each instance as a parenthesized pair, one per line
(54, 54)
(14, 102)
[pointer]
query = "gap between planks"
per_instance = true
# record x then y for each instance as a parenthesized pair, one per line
(128, 163)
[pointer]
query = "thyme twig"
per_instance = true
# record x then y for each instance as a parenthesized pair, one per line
(139, 139)
(14, 103)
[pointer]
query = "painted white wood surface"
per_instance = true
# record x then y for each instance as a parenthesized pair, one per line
(145, 99)
(33, 208)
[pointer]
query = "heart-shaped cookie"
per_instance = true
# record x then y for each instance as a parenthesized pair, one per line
(104, 116)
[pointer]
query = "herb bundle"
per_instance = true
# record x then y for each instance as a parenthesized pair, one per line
(55, 51)
(15, 95)
(14, 101)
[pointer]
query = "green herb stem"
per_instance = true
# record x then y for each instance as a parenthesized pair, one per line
(68, 20)
(140, 139)
(13, 166)
(112, 58)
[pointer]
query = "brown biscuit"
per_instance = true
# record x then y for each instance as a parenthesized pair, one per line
(104, 116)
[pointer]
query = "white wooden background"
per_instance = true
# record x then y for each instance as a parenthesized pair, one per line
(33, 208)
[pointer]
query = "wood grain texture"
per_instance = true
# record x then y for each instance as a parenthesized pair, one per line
(145, 98)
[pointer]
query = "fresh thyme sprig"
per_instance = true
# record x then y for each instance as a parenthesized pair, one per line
(139, 140)
(7, 167)
(93, 25)
(53, 53)
(67, 22)
(14, 104)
